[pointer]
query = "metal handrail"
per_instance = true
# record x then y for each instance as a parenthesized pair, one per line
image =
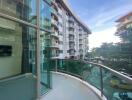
(101, 66)
(116, 73)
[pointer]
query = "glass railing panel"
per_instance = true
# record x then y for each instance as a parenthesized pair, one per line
(80, 69)
(92, 75)
(71, 67)
(74, 67)
(115, 88)
(112, 86)
(62, 65)
(21, 87)
(45, 62)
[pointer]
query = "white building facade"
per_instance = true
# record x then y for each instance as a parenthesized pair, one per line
(71, 35)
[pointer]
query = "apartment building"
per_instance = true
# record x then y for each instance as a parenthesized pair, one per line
(29, 31)
(70, 35)
(124, 27)
(124, 32)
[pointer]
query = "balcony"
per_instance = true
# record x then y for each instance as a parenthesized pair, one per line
(72, 80)
(55, 34)
(102, 82)
(80, 37)
(80, 41)
(71, 39)
(71, 20)
(71, 32)
(54, 24)
(71, 26)
(21, 87)
(62, 83)
(54, 4)
(72, 42)
(124, 23)
(55, 45)
(81, 51)
(72, 47)
(54, 13)
(55, 54)
(72, 51)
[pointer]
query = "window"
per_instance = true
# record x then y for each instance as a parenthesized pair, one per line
(15, 48)
(17, 8)
(5, 50)
(45, 15)
(61, 51)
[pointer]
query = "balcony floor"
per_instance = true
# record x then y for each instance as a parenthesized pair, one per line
(66, 87)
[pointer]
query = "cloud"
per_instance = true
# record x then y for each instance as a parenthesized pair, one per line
(100, 16)
(106, 35)
(106, 16)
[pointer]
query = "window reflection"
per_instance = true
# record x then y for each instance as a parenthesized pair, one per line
(45, 58)
(22, 9)
(45, 15)
(17, 48)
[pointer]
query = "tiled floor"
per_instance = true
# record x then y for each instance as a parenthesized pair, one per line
(67, 88)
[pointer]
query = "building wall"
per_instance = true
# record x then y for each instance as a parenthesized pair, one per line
(124, 27)
(73, 36)
(23, 34)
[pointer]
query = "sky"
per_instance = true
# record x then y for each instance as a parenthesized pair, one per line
(100, 17)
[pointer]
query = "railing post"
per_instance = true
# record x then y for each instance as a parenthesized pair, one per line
(56, 65)
(38, 49)
(101, 81)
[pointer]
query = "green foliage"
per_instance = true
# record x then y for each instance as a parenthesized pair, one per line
(117, 56)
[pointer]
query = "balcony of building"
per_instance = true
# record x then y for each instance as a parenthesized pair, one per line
(54, 13)
(87, 81)
(72, 43)
(55, 34)
(9, 8)
(71, 80)
(124, 30)
(54, 44)
(80, 41)
(80, 36)
(71, 31)
(80, 50)
(71, 38)
(54, 22)
(71, 20)
(81, 45)
(124, 23)
(54, 4)
(67, 87)
(72, 46)
(71, 26)
(54, 53)
(72, 51)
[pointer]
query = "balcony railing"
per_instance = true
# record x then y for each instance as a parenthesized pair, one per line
(111, 83)
(124, 23)
(71, 20)
(55, 34)
(54, 22)
(54, 12)
(55, 45)
(21, 87)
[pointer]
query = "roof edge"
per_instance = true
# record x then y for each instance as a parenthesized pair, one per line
(75, 16)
